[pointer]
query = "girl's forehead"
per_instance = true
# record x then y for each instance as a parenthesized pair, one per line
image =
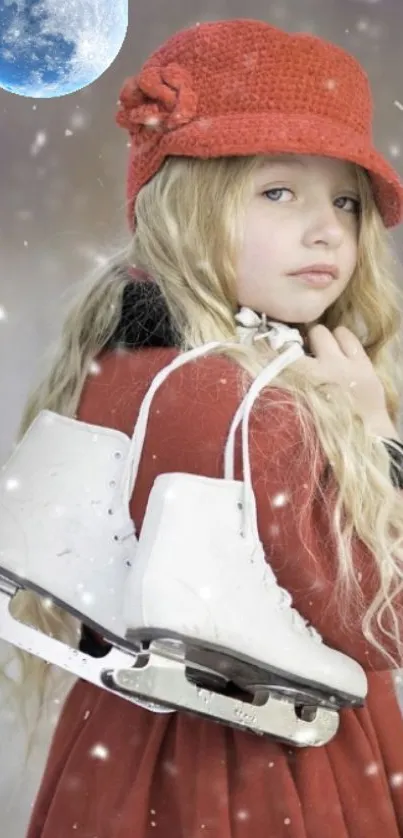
(293, 159)
(308, 164)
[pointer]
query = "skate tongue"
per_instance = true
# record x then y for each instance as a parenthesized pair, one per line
(298, 620)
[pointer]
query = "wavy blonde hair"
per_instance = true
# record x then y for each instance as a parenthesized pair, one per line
(189, 219)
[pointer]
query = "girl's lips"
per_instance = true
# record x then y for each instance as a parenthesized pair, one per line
(315, 279)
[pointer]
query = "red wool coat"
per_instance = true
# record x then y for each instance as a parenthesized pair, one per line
(178, 776)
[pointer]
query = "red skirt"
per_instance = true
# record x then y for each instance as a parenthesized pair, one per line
(116, 770)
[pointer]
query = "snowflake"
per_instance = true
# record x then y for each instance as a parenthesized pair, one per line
(170, 768)
(394, 150)
(48, 603)
(12, 484)
(40, 141)
(95, 368)
(372, 769)
(99, 751)
(280, 499)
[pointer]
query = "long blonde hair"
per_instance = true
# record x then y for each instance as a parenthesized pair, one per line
(189, 219)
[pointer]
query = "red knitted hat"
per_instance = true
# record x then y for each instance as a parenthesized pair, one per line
(243, 87)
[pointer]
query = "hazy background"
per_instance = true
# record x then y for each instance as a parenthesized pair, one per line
(62, 193)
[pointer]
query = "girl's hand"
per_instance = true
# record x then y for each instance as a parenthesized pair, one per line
(341, 359)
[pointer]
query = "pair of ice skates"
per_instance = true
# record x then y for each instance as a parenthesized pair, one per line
(195, 617)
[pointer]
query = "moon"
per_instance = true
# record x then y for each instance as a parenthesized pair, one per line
(52, 48)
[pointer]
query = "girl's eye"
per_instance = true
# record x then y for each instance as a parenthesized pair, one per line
(354, 202)
(275, 193)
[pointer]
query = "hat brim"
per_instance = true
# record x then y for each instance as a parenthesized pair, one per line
(240, 134)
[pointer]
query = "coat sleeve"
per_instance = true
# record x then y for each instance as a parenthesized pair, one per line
(187, 430)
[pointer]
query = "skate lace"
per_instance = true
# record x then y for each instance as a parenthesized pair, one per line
(285, 602)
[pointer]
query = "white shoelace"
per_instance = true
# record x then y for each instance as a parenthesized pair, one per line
(253, 327)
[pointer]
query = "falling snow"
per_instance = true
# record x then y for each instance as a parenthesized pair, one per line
(242, 815)
(12, 484)
(95, 368)
(395, 150)
(371, 769)
(99, 751)
(281, 499)
(48, 603)
(170, 768)
(64, 22)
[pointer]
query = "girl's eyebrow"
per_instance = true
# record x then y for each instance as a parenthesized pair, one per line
(296, 161)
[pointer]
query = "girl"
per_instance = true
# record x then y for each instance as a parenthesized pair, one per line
(253, 190)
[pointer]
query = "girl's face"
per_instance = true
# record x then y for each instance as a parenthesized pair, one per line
(303, 211)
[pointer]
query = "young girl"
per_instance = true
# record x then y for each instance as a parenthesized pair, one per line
(253, 189)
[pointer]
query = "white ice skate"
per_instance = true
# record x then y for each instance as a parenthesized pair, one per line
(219, 636)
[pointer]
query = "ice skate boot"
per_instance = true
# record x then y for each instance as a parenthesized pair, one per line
(201, 587)
(66, 534)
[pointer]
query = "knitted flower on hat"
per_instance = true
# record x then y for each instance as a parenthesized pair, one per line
(158, 99)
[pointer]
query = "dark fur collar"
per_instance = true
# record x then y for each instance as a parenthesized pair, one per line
(145, 320)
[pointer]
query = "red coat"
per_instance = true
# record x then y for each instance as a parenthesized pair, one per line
(178, 776)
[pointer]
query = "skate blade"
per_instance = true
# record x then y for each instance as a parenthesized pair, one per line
(55, 652)
(160, 685)
(247, 674)
(11, 583)
(277, 718)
